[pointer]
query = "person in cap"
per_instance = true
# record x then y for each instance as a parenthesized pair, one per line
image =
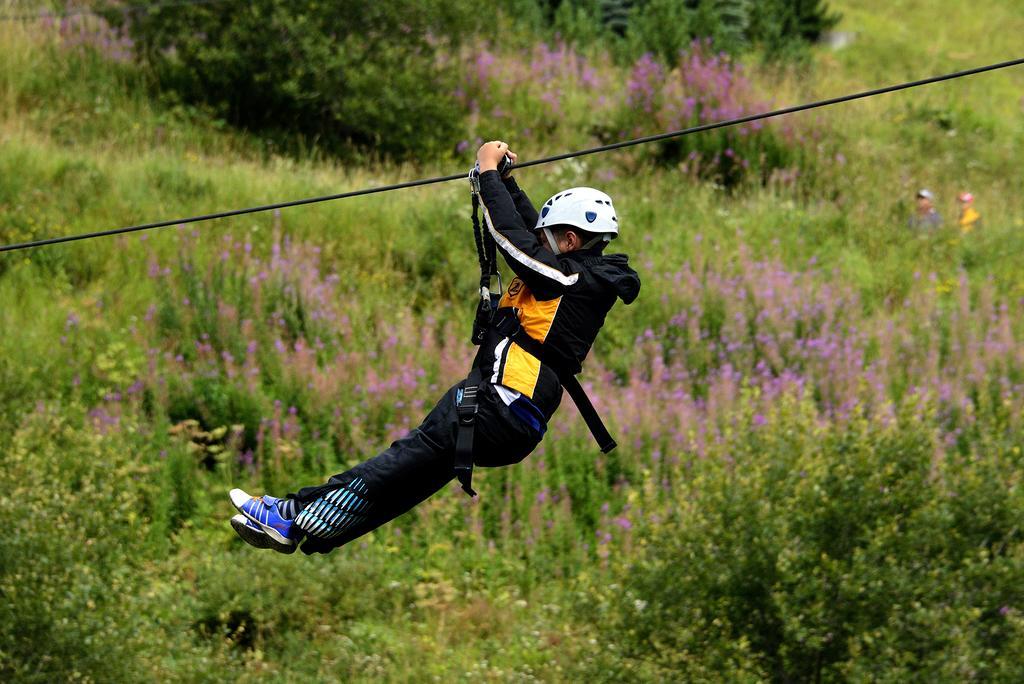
(925, 215)
(969, 218)
(542, 330)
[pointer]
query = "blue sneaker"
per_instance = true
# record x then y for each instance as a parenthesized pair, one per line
(252, 535)
(263, 516)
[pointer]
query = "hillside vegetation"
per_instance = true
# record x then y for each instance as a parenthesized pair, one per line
(820, 411)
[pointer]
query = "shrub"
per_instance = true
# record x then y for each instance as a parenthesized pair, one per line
(666, 27)
(341, 76)
(779, 27)
(803, 552)
(72, 529)
(526, 94)
(541, 92)
(704, 87)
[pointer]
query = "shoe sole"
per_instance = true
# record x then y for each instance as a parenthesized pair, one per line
(253, 537)
(238, 499)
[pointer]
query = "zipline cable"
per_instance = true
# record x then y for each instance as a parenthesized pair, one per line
(536, 162)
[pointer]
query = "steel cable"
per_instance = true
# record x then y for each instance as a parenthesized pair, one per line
(546, 160)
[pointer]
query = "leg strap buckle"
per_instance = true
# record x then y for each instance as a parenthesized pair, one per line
(466, 410)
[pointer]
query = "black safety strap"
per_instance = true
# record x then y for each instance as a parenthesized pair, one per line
(467, 409)
(468, 406)
(490, 255)
(572, 386)
(590, 415)
(486, 252)
(478, 235)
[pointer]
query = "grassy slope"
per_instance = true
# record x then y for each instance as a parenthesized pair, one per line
(83, 149)
(949, 137)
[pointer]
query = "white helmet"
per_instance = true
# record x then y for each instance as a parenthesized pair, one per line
(584, 208)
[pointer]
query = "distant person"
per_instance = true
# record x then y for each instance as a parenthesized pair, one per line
(969, 216)
(925, 216)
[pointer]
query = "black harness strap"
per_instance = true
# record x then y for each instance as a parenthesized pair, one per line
(572, 386)
(467, 409)
(486, 252)
(478, 236)
(590, 415)
(468, 406)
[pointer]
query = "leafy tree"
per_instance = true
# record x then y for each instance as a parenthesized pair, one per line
(779, 25)
(346, 76)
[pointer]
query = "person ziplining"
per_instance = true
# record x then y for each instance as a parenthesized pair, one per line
(533, 339)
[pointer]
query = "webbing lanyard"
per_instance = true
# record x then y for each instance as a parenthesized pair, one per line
(467, 406)
(486, 251)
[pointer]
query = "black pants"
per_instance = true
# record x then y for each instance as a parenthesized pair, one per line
(419, 464)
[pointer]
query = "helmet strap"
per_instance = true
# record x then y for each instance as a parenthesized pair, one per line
(604, 237)
(551, 240)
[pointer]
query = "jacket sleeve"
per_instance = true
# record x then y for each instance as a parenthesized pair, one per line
(523, 204)
(535, 265)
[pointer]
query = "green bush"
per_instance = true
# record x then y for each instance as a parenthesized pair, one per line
(667, 27)
(805, 552)
(72, 527)
(342, 77)
(780, 26)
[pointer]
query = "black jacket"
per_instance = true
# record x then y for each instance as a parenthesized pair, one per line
(560, 300)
